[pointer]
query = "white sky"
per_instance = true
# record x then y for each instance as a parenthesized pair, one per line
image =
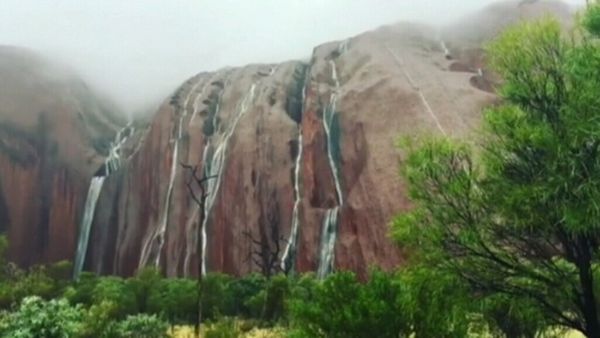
(138, 51)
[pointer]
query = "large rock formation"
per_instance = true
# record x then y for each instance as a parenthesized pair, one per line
(303, 153)
(302, 156)
(53, 136)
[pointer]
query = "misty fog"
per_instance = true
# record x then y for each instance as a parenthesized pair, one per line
(137, 52)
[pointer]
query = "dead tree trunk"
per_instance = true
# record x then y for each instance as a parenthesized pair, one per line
(267, 247)
(196, 184)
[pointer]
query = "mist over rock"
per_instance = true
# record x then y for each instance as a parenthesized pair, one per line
(53, 135)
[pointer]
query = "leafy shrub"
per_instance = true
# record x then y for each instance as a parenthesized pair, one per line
(82, 291)
(143, 284)
(99, 320)
(175, 298)
(276, 294)
(35, 282)
(117, 291)
(512, 317)
(342, 307)
(141, 326)
(242, 292)
(38, 318)
(434, 303)
(214, 295)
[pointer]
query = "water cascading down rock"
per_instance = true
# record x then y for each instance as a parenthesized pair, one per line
(330, 221)
(111, 164)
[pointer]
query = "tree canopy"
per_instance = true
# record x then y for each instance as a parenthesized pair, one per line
(516, 213)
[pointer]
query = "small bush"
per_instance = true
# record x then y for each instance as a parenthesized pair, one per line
(342, 307)
(38, 318)
(117, 291)
(141, 326)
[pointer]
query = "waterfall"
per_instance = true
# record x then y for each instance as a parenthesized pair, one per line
(328, 238)
(159, 234)
(197, 100)
(192, 236)
(445, 49)
(213, 166)
(86, 223)
(289, 253)
(290, 249)
(331, 218)
(111, 164)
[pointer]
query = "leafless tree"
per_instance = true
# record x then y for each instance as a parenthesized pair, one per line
(267, 248)
(196, 185)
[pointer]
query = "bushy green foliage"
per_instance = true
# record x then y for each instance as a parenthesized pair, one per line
(82, 290)
(214, 295)
(38, 318)
(175, 298)
(513, 317)
(435, 303)
(276, 294)
(591, 19)
(117, 291)
(341, 306)
(141, 326)
(99, 320)
(143, 284)
(515, 217)
(245, 299)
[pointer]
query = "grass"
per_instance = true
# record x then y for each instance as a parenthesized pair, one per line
(188, 332)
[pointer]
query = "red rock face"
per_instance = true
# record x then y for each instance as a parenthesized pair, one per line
(392, 83)
(49, 143)
(350, 104)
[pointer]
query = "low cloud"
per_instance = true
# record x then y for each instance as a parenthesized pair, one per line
(137, 52)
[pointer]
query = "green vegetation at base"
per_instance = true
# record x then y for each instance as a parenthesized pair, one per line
(416, 300)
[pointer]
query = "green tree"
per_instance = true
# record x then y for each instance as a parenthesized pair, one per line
(340, 306)
(175, 298)
(518, 215)
(242, 293)
(35, 282)
(117, 291)
(38, 318)
(82, 290)
(436, 304)
(144, 283)
(140, 326)
(214, 295)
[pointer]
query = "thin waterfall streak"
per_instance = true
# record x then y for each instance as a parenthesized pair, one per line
(192, 243)
(167, 205)
(214, 168)
(291, 243)
(159, 233)
(445, 48)
(111, 164)
(86, 223)
(327, 124)
(198, 97)
(331, 218)
(328, 239)
(424, 101)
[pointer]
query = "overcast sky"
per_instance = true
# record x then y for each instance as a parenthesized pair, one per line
(138, 51)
